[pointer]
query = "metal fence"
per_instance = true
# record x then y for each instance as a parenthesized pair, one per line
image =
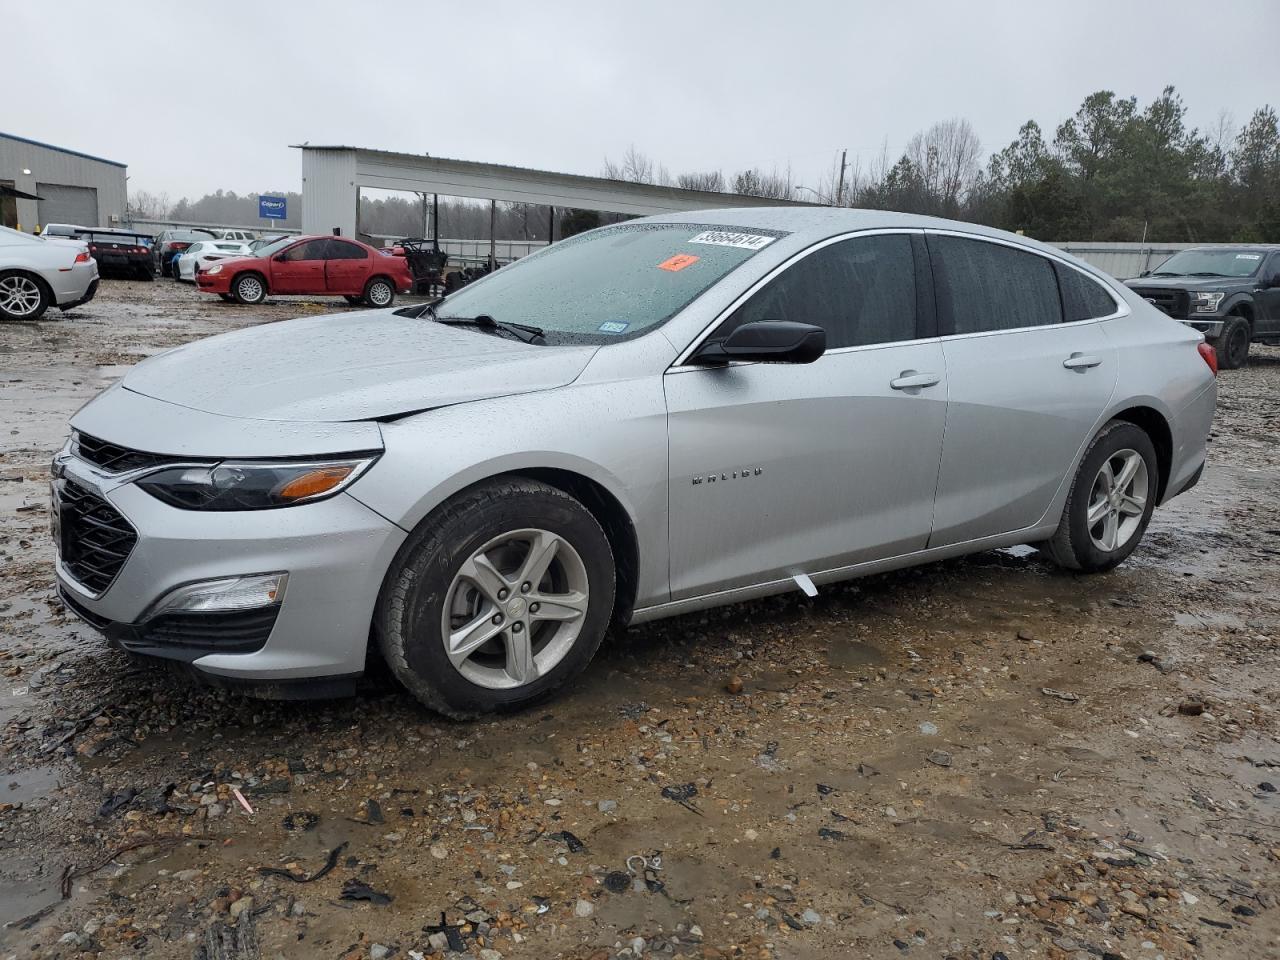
(1125, 260)
(143, 225)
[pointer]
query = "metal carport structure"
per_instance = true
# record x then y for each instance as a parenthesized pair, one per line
(332, 177)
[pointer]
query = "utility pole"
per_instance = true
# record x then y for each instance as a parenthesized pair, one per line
(840, 187)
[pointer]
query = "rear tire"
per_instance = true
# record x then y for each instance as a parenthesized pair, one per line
(1110, 503)
(497, 648)
(22, 296)
(379, 292)
(1232, 345)
(249, 288)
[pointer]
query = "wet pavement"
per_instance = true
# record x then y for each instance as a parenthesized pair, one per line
(981, 758)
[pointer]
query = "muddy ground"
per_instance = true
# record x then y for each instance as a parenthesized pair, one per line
(885, 771)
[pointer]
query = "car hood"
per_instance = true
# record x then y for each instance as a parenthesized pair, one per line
(351, 366)
(1188, 283)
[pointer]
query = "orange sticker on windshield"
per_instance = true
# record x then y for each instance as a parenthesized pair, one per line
(678, 262)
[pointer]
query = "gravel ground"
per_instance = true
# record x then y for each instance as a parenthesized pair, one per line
(982, 758)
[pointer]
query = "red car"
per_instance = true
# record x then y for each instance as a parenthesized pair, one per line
(332, 266)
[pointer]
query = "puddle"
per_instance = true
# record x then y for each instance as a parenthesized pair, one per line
(35, 783)
(854, 653)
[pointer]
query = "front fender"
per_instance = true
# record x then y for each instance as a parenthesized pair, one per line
(614, 434)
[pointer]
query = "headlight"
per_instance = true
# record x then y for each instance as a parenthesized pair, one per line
(252, 486)
(1206, 302)
(216, 268)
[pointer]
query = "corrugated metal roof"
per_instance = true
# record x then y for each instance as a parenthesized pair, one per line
(50, 146)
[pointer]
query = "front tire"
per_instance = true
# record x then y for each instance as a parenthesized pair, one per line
(379, 292)
(22, 296)
(1111, 500)
(1232, 345)
(249, 288)
(497, 599)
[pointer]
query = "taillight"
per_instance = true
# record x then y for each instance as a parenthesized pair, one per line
(83, 257)
(1209, 355)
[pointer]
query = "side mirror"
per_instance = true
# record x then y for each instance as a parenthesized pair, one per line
(766, 341)
(1274, 281)
(1145, 273)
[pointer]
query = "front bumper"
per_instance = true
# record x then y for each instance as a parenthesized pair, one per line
(219, 282)
(335, 552)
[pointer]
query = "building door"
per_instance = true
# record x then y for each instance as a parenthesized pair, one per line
(8, 207)
(60, 203)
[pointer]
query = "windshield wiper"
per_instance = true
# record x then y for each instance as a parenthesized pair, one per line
(521, 331)
(1206, 273)
(1164, 273)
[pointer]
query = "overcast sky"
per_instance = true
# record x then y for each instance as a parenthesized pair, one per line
(197, 96)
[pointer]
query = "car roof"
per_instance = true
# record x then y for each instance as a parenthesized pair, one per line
(822, 222)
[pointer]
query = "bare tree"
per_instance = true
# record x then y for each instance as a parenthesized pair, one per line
(756, 183)
(946, 159)
(712, 181)
(636, 167)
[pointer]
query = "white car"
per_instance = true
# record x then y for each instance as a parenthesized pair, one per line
(246, 236)
(199, 256)
(41, 272)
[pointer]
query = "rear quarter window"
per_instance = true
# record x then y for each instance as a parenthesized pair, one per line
(1083, 298)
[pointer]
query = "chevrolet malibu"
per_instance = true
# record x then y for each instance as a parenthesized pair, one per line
(644, 420)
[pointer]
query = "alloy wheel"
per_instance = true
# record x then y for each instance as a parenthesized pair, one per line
(515, 609)
(19, 296)
(250, 289)
(1118, 500)
(379, 294)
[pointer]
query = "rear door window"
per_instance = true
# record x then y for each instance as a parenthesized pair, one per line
(984, 286)
(862, 291)
(310, 250)
(342, 250)
(1083, 298)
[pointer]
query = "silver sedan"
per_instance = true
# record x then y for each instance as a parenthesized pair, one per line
(37, 273)
(641, 421)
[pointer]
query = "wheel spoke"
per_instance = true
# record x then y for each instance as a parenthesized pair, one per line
(1125, 477)
(520, 663)
(467, 639)
(1107, 477)
(1132, 506)
(542, 550)
(486, 578)
(1098, 511)
(558, 606)
(1110, 531)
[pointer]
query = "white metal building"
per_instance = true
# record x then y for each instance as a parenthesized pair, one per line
(332, 177)
(67, 186)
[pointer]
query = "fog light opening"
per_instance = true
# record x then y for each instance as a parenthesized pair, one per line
(227, 595)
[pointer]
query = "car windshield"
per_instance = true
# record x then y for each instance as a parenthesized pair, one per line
(275, 246)
(234, 247)
(181, 235)
(1217, 263)
(609, 284)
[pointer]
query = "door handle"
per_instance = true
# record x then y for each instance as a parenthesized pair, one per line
(911, 380)
(1079, 361)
